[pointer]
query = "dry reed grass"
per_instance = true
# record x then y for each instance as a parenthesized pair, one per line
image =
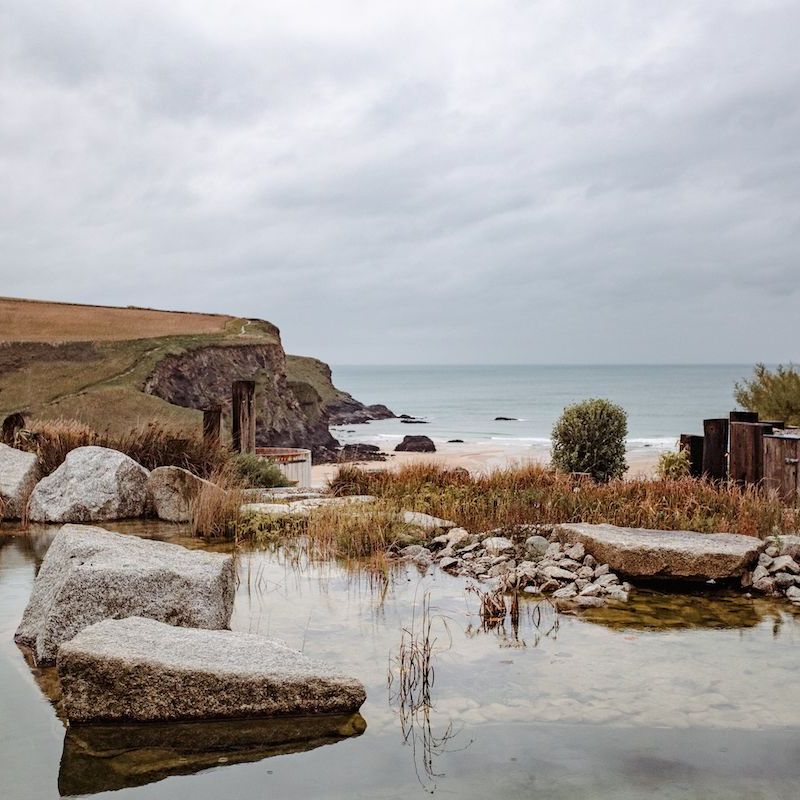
(535, 494)
(216, 511)
(151, 445)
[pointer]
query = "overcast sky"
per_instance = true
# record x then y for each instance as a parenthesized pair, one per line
(469, 182)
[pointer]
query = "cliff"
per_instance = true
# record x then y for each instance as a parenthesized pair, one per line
(118, 368)
(342, 408)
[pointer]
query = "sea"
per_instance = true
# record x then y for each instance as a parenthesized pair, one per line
(463, 401)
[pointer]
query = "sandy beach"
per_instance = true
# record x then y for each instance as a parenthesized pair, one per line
(482, 458)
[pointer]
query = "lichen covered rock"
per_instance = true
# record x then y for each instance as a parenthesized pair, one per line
(94, 484)
(90, 574)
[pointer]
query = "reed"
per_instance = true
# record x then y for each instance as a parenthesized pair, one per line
(151, 445)
(534, 494)
(216, 511)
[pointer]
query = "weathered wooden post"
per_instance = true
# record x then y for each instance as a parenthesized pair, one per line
(782, 466)
(212, 426)
(693, 445)
(715, 449)
(746, 459)
(243, 416)
(744, 416)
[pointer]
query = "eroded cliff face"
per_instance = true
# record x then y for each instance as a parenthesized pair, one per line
(202, 377)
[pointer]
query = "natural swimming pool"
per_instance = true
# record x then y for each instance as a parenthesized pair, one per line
(672, 695)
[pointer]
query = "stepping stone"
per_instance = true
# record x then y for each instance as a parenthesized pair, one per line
(141, 670)
(90, 574)
(643, 553)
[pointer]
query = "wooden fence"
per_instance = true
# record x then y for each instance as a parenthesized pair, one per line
(747, 450)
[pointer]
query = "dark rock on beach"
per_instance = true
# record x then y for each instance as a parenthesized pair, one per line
(416, 444)
(361, 452)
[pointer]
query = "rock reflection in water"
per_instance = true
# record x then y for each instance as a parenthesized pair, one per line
(649, 610)
(106, 757)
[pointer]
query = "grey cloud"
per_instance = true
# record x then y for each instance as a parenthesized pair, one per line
(522, 182)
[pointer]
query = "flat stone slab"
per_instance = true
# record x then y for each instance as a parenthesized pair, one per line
(643, 553)
(426, 521)
(302, 508)
(141, 670)
(90, 574)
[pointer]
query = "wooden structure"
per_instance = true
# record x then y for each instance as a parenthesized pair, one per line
(782, 466)
(715, 449)
(212, 426)
(693, 445)
(293, 462)
(243, 416)
(746, 451)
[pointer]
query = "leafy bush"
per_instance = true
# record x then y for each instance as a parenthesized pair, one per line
(590, 437)
(674, 465)
(774, 395)
(258, 472)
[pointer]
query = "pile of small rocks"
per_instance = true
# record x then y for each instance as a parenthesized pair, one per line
(777, 573)
(538, 566)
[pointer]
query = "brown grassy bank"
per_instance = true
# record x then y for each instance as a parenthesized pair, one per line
(535, 494)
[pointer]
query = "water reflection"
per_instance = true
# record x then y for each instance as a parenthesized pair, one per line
(697, 691)
(101, 758)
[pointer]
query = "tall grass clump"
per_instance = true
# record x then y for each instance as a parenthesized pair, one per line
(674, 465)
(151, 445)
(533, 494)
(216, 510)
(589, 437)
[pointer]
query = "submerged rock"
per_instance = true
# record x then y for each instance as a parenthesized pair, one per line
(18, 473)
(141, 670)
(172, 491)
(666, 554)
(92, 485)
(90, 574)
(105, 757)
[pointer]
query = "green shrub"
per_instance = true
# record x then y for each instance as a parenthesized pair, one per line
(259, 473)
(590, 437)
(674, 465)
(774, 395)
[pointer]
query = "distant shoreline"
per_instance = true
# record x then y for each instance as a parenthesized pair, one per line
(482, 458)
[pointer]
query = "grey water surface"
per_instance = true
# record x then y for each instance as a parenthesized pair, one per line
(671, 696)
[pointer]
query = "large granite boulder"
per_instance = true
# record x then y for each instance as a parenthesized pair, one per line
(171, 491)
(416, 444)
(141, 670)
(642, 553)
(92, 485)
(18, 473)
(90, 574)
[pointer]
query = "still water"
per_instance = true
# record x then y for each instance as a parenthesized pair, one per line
(672, 696)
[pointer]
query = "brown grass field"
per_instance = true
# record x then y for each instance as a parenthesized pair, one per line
(42, 321)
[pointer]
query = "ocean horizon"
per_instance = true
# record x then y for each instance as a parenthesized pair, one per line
(461, 401)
